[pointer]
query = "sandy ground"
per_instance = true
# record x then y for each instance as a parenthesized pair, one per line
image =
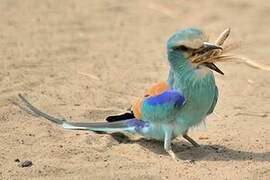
(87, 59)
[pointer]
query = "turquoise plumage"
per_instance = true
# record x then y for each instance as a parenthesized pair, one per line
(191, 95)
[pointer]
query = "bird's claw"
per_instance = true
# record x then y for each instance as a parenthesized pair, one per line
(178, 160)
(172, 154)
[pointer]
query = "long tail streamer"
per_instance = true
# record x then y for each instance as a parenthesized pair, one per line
(130, 125)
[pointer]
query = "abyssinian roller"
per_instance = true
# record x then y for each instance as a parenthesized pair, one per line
(169, 108)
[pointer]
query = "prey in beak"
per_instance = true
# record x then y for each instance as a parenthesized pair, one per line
(202, 54)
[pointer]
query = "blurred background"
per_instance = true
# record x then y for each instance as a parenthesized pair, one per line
(88, 59)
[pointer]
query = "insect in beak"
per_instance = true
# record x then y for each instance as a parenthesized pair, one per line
(205, 50)
(207, 47)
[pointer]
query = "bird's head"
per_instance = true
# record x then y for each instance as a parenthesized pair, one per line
(186, 44)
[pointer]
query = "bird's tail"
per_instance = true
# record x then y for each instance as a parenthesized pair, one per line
(125, 125)
(130, 125)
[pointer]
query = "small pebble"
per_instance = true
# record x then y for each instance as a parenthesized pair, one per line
(203, 137)
(17, 160)
(25, 163)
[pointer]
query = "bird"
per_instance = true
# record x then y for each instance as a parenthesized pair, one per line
(169, 108)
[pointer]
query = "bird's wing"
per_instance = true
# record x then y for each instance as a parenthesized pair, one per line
(214, 102)
(161, 107)
(156, 89)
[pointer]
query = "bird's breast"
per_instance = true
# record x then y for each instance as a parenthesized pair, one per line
(200, 94)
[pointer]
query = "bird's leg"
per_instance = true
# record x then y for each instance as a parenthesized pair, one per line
(189, 139)
(168, 141)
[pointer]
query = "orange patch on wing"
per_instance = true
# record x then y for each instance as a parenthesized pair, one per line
(136, 108)
(153, 91)
(158, 88)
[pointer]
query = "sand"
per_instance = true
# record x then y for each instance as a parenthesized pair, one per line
(85, 60)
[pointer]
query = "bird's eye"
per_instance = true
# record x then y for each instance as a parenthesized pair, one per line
(182, 48)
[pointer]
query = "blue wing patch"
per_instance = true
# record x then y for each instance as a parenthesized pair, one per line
(170, 96)
(162, 107)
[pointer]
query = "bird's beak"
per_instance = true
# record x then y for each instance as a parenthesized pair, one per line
(213, 67)
(209, 47)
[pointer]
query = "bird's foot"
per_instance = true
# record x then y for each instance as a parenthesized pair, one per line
(172, 154)
(175, 158)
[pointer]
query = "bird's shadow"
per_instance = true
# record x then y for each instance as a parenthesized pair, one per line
(186, 151)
